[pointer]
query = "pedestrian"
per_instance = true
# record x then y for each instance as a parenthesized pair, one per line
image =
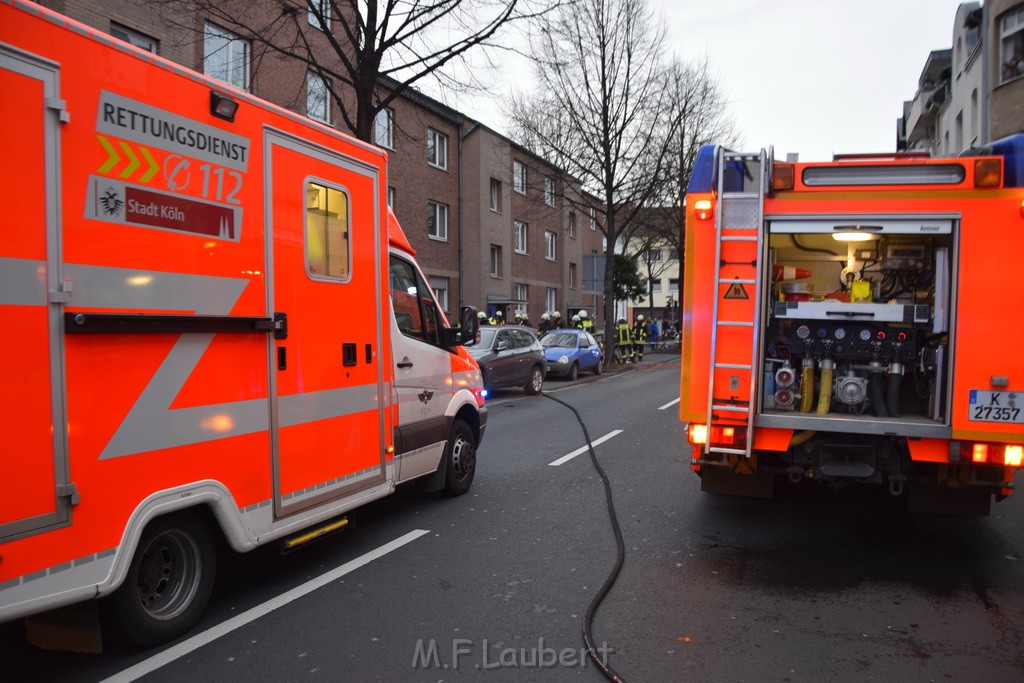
(623, 341)
(654, 332)
(639, 335)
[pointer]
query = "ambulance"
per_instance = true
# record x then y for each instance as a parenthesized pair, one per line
(218, 331)
(856, 322)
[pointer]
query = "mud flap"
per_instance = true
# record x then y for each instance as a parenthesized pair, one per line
(723, 480)
(925, 496)
(74, 628)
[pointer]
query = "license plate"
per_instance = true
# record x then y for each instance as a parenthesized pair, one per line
(996, 406)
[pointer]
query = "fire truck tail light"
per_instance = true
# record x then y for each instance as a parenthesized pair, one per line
(988, 172)
(783, 177)
(703, 209)
(698, 435)
(1011, 455)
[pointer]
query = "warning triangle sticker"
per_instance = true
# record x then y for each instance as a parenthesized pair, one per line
(736, 291)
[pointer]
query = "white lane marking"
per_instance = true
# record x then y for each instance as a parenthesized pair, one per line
(669, 404)
(570, 456)
(208, 636)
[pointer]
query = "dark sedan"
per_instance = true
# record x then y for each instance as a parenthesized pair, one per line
(510, 356)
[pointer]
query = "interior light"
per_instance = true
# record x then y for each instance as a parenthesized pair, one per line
(855, 233)
(222, 106)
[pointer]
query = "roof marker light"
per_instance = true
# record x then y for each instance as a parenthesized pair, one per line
(988, 172)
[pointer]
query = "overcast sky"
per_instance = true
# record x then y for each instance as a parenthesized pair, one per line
(807, 76)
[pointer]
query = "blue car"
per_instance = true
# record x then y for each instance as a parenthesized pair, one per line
(570, 352)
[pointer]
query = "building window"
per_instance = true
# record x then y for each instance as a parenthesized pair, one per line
(519, 177)
(323, 8)
(522, 294)
(673, 285)
(495, 195)
(549, 191)
(437, 149)
(318, 103)
(327, 245)
(391, 197)
(225, 56)
(1011, 45)
(571, 229)
(654, 286)
(519, 237)
(551, 299)
(383, 128)
(673, 254)
(652, 256)
(572, 276)
(440, 287)
(134, 37)
(437, 221)
(495, 260)
(549, 245)
(593, 218)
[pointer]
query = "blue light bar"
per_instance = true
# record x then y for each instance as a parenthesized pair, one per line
(1012, 150)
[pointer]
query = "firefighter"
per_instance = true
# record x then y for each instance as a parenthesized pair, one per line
(576, 323)
(545, 324)
(483, 318)
(556, 321)
(623, 342)
(585, 322)
(639, 335)
(499, 318)
(524, 319)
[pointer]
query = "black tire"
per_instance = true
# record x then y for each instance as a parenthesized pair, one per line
(536, 383)
(459, 460)
(599, 368)
(169, 581)
(574, 372)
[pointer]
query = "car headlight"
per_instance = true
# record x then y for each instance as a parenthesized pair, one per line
(563, 360)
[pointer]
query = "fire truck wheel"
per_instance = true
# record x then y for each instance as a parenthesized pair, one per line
(169, 581)
(536, 382)
(460, 464)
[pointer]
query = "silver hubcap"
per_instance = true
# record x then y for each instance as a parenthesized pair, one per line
(169, 574)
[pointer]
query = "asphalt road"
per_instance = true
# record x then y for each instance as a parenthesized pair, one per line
(494, 585)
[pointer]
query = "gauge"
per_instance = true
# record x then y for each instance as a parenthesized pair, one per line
(865, 335)
(840, 333)
(803, 332)
(822, 333)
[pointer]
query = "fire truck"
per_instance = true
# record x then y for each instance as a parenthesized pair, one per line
(219, 332)
(855, 322)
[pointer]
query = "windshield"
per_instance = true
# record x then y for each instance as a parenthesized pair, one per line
(559, 340)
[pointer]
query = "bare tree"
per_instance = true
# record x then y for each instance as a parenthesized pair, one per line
(353, 44)
(602, 110)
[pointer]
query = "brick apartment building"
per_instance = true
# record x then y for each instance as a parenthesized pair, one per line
(494, 226)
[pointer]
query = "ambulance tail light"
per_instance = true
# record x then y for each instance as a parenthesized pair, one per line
(783, 177)
(704, 209)
(988, 172)
(699, 434)
(1011, 455)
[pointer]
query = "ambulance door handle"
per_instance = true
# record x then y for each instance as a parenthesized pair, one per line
(282, 358)
(405, 362)
(369, 354)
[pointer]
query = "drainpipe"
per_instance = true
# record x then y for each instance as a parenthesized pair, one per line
(461, 138)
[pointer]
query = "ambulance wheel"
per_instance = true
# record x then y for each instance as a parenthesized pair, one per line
(460, 461)
(574, 372)
(536, 382)
(169, 581)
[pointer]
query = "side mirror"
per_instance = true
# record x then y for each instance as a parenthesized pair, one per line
(468, 331)
(502, 346)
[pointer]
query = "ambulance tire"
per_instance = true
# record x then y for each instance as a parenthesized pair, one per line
(460, 460)
(536, 383)
(169, 581)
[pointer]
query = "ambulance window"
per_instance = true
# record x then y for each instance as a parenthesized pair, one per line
(414, 307)
(327, 243)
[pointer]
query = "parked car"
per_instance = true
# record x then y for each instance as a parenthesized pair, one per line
(510, 356)
(570, 352)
